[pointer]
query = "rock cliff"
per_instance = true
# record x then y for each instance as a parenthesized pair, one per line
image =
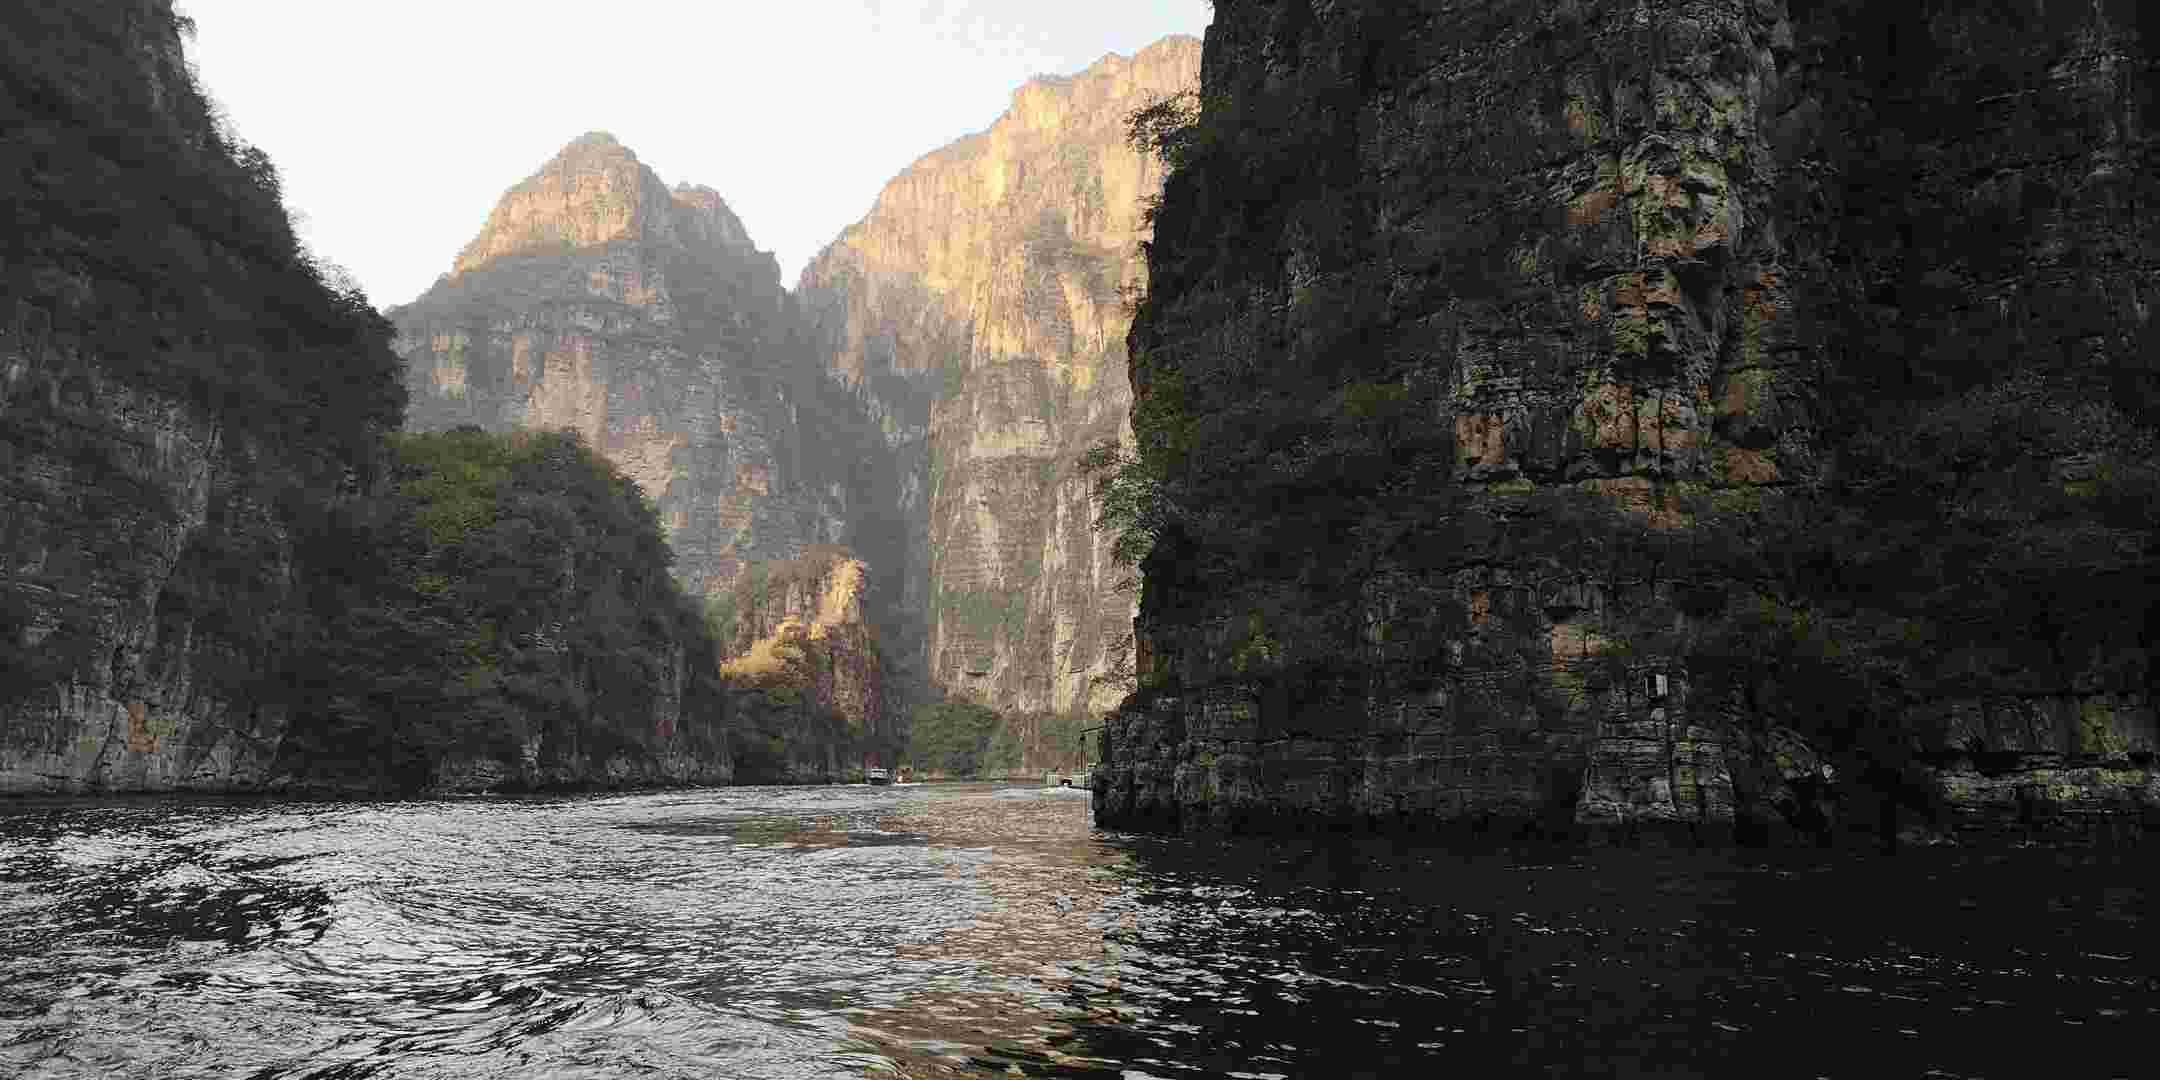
(196, 500)
(978, 310)
(1767, 278)
(597, 299)
(129, 469)
(796, 631)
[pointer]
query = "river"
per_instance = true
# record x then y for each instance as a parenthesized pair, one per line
(981, 929)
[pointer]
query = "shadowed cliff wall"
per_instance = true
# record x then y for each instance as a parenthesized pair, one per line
(1618, 413)
(215, 577)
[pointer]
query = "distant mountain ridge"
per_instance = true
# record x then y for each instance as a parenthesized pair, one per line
(596, 298)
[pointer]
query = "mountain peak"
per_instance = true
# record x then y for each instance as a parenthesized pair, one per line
(595, 192)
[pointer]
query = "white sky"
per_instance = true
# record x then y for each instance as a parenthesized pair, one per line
(396, 124)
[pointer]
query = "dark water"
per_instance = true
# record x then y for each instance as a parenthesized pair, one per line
(980, 930)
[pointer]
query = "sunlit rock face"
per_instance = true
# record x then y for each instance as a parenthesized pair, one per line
(802, 625)
(597, 299)
(978, 311)
(1584, 235)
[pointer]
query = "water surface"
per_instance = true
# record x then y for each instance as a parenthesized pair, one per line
(988, 930)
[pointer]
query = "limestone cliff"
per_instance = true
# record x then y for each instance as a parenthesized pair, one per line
(598, 300)
(798, 632)
(1421, 270)
(128, 470)
(978, 310)
(197, 504)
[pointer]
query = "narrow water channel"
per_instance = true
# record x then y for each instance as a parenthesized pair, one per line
(982, 929)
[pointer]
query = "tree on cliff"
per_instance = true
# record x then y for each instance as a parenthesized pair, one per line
(149, 233)
(1952, 202)
(511, 588)
(951, 737)
(149, 253)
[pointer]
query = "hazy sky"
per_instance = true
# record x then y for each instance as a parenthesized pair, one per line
(397, 124)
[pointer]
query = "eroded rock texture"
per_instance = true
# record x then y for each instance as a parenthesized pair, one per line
(94, 564)
(192, 471)
(978, 312)
(121, 490)
(1423, 266)
(799, 634)
(597, 299)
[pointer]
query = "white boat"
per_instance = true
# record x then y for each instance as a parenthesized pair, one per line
(877, 776)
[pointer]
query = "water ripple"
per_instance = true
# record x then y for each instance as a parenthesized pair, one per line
(983, 929)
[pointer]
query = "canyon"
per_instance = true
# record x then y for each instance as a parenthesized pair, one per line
(1593, 418)
(915, 405)
(867, 482)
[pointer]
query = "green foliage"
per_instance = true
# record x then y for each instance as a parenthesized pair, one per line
(1128, 500)
(455, 477)
(1255, 649)
(510, 587)
(953, 377)
(150, 235)
(1374, 401)
(987, 612)
(720, 617)
(1179, 129)
(757, 579)
(951, 737)
(963, 739)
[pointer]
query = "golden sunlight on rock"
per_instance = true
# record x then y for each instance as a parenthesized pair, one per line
(992, 272)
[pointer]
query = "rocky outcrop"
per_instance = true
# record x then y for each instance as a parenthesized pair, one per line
(978, 310)
(121, 485)
(798, 633)
(193, 476)
(95, 554)
(1420, 269)
(597, 299)
(675, 748)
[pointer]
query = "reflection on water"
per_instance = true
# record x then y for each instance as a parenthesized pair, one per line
(983, 930)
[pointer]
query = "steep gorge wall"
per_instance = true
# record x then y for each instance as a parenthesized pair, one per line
(598, 300)
(192, 465)
(1423, 269)
(978, 311)
(124, 484)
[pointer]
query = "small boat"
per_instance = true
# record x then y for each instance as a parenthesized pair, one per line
(877, 776)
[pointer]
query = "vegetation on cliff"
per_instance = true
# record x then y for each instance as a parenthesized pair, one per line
(510, 595)
(213, 528)
(792, 640)
(964, 739)
(1928, 478)
(143, 234)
